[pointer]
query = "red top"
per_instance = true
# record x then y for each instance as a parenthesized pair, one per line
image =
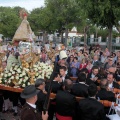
(83, 66)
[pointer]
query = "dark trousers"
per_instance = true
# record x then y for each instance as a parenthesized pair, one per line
(1, 103)
(51, 111)
(13, 97)
(16, 97)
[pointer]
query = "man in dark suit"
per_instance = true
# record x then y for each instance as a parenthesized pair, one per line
(56, 85)
(96, 62)
(80, 89)
(93, 76)
(90, 108)
(40, 85)
(1, 102)
(111, 82)
(104, 94)
(29, 111)
(63, 73)
(65, 102)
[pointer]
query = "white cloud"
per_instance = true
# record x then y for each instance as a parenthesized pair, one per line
(28, 4)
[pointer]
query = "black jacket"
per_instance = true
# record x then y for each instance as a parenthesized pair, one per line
(30, 113)
(80, 90)
(65, 103)
(90, 109)
(89, 81)
(116, 85)
(103, 94)
(40, 101)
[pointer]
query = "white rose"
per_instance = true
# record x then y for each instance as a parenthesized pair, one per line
(13, 72)
(39, 68)
(23, 73)
(9, 81)
(2, 74)
(12, 77)
(26, 69)
(23, 85)
(28, 83)
(34, 65)
(18, 69)
(11, 69)
(48, 77)
(6, 71)
(15, 68)
(5, 75)
(43, 74)
(17, 77)
(19, 82)
(5, 81)
(9, 74)
(26, 78)
(37, 74)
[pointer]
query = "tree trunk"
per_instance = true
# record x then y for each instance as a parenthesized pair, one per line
(43, 37)
(46, 37)
(66, 36)
(85, 34)
(85, 37)
(110, 39)
(62, 37)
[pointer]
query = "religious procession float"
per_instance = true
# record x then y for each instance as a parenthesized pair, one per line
(28, 68)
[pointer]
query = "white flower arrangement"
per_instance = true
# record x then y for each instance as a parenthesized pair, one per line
(19, 77)
(43, 70)
(16, 76)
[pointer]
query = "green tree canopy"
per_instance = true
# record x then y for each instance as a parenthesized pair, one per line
(9, 21)
(104, 13)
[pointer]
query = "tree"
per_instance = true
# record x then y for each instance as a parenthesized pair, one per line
(41, 19)
(104, 13)
(9, 21)
(65, 13)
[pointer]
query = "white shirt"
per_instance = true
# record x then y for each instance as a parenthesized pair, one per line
(92, 76)
(32, 105)
(63, 78)
(83, 83)
(92, 97)
(110, 85)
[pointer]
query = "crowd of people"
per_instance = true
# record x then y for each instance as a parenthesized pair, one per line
(91, 66)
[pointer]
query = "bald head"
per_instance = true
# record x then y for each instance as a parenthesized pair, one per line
(112, 69)
(104, 83)
(68, 84)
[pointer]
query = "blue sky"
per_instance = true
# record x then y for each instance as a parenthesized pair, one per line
(28, 4)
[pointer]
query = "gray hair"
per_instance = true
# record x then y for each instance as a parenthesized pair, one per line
(104, 83)
(68, 84)
(39, 82)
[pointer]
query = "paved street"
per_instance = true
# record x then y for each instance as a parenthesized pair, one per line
(9, 116)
